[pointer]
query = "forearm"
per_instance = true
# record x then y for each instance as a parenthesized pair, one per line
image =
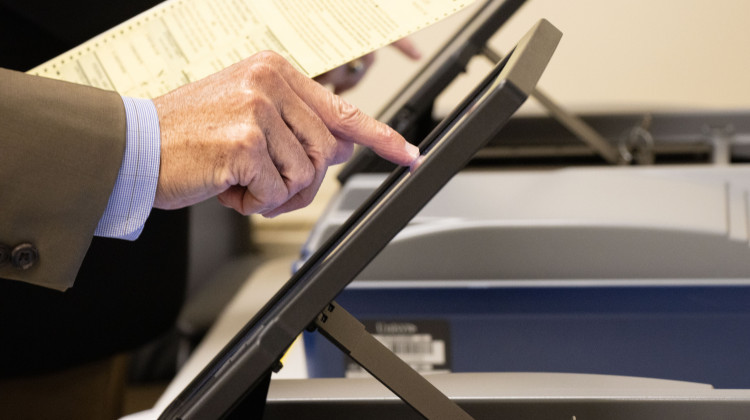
(258, 135)
(62, 147)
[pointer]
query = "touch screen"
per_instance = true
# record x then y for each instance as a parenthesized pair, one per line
(253, 353)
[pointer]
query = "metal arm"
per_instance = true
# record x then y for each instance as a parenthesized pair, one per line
(348, 334)
(576, 125)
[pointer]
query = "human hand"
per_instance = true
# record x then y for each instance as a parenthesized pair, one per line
(345, 77)
(260, 136)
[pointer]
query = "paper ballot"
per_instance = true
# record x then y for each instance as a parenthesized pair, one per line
(180, 41)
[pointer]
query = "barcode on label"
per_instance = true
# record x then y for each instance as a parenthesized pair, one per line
(423, 344)
(416, 348)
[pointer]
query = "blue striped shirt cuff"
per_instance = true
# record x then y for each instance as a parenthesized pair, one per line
(133, 196)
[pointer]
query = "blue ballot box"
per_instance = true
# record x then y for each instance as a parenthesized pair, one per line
(625, 271)
(696, 334)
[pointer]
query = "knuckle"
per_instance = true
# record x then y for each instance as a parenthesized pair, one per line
(308, 174)
(348, 121)
(248, 141)
(265, 66)
(327, 149)
(244, 145)
(261, 70)
(268, 56)
(278, 197)
(268, 194)
(258, 102)
(305, 198)
(347, 115)
(302, 177)
(254, 138)
(223, 179)
(322, 148)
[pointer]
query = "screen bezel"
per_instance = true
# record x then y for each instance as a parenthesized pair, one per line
(409, 112)
(255, 350)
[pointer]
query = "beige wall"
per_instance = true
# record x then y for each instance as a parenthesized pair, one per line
(615, 55)
(665, 53)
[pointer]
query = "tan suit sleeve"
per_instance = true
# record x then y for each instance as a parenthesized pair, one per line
(61, 146)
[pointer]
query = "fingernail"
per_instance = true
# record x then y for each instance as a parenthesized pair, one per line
(413, 151)
(413, 167)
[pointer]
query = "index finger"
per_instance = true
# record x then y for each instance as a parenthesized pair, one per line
(349, 123)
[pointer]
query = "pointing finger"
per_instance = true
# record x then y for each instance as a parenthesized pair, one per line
(347, 122)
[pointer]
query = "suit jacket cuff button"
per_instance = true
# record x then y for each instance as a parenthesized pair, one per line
(24, 256)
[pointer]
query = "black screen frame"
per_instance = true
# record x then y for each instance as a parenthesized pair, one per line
(251, 355)
(410, 110)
